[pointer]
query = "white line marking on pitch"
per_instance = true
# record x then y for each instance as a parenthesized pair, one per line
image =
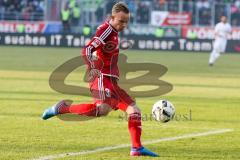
(212, 132)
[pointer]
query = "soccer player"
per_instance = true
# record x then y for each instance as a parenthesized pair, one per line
(101, 57)
(222, 30)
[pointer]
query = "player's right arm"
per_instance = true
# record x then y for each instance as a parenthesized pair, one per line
(91, 58)
(93, 48)
(89, 52)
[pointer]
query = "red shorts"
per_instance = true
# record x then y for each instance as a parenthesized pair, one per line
(105, 89)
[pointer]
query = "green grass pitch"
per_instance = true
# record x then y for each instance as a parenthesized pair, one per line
(211, 93)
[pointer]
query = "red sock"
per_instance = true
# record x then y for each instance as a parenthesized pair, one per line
(81, 109)
(135, 129)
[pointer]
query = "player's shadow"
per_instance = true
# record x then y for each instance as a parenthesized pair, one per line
(75, 117)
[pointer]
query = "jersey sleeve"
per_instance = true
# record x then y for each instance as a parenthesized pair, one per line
(97, 43)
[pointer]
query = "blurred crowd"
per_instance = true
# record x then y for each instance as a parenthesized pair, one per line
(204, 12)
(22, 10)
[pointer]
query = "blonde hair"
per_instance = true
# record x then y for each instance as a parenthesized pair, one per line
(120, 7)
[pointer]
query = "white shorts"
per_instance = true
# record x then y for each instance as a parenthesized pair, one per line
(220, 45)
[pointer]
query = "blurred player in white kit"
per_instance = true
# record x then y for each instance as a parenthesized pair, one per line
(222, 30)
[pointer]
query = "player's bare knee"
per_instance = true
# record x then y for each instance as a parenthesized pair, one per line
(103, 109)
(133, 109)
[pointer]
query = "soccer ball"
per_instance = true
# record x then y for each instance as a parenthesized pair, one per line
(163, 111)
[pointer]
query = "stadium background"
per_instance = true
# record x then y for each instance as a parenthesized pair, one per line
(155, 24)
